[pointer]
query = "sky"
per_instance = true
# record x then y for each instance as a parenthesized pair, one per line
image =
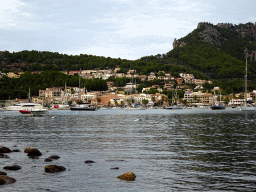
(126, 29)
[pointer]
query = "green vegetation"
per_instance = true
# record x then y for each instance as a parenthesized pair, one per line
(210, 52)
(12, 88)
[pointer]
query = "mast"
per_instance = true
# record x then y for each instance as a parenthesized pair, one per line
(79, 94)
(28, 94)
(245, 91)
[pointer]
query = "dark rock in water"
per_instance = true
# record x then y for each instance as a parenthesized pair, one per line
(51, 158)
(5, 150)
(15, 150)
(89, 161)
(13, 167)
(129, 176)
(114, 168)
(27, 149)
(4, 180)
(3, 173)
(48, 159)
(55, 157)
(114, 160)
(4, 156)
(34, 152)
(54, 168)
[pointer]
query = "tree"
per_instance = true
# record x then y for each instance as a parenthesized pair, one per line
(145, 101)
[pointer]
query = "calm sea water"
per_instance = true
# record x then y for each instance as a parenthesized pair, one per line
(182, 150)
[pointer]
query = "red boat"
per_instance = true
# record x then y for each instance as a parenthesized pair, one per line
(24, 111)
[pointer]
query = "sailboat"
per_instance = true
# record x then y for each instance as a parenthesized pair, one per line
(218, 106)
(175, 99)
(246, 106)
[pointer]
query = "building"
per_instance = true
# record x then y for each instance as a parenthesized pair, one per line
(198, 98)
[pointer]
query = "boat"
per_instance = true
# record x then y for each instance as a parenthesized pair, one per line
(203, 107)
(246, 106)
(24, 111)
(1, 109)
(134, 108)
(24, 107)
(218, 107)
(175, 105)
(40, 112)
(83, 107)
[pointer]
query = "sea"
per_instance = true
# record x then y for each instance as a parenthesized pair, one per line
(167, 150)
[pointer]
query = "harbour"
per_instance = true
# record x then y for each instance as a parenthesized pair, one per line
(168, 150)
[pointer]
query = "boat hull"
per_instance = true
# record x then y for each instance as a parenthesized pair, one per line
(82, 109)
(39, 113)
(248, 108)
(24, 111)
(221, 107)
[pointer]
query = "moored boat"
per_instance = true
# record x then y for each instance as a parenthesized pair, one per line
(246, 106)
(40, 112)
(83, 107)
(218, 107)
(24, 111)
(24, 107)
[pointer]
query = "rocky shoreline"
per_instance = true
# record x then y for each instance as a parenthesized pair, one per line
(50, 169)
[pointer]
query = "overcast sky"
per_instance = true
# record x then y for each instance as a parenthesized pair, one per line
(129, 29)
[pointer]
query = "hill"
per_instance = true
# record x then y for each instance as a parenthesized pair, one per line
(210, 52)
(218, 52)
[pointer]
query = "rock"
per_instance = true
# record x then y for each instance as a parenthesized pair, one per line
(15, 150)
(27, 149)
(129, 176)
(13, 167)
(48, 159)
(114, 168)
(54, 168)
(3, 173)
(55, 157)
(34, 152)
(51, 158)
(5, 150)
(89, 161)
(4, 156)
(4, 180)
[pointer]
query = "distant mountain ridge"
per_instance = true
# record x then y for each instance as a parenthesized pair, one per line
(210, 52)
(226, 36)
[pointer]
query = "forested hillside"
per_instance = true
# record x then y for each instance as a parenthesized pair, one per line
(218, 52)
(18, 87)
(210, 52)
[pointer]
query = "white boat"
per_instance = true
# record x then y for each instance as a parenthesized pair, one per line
(40, 112)
(203, 107)
(83, 107)
(134, 108)
(24, 106)
(1, 109)
(246, 106)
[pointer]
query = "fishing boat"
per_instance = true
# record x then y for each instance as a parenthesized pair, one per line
(246, 106)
